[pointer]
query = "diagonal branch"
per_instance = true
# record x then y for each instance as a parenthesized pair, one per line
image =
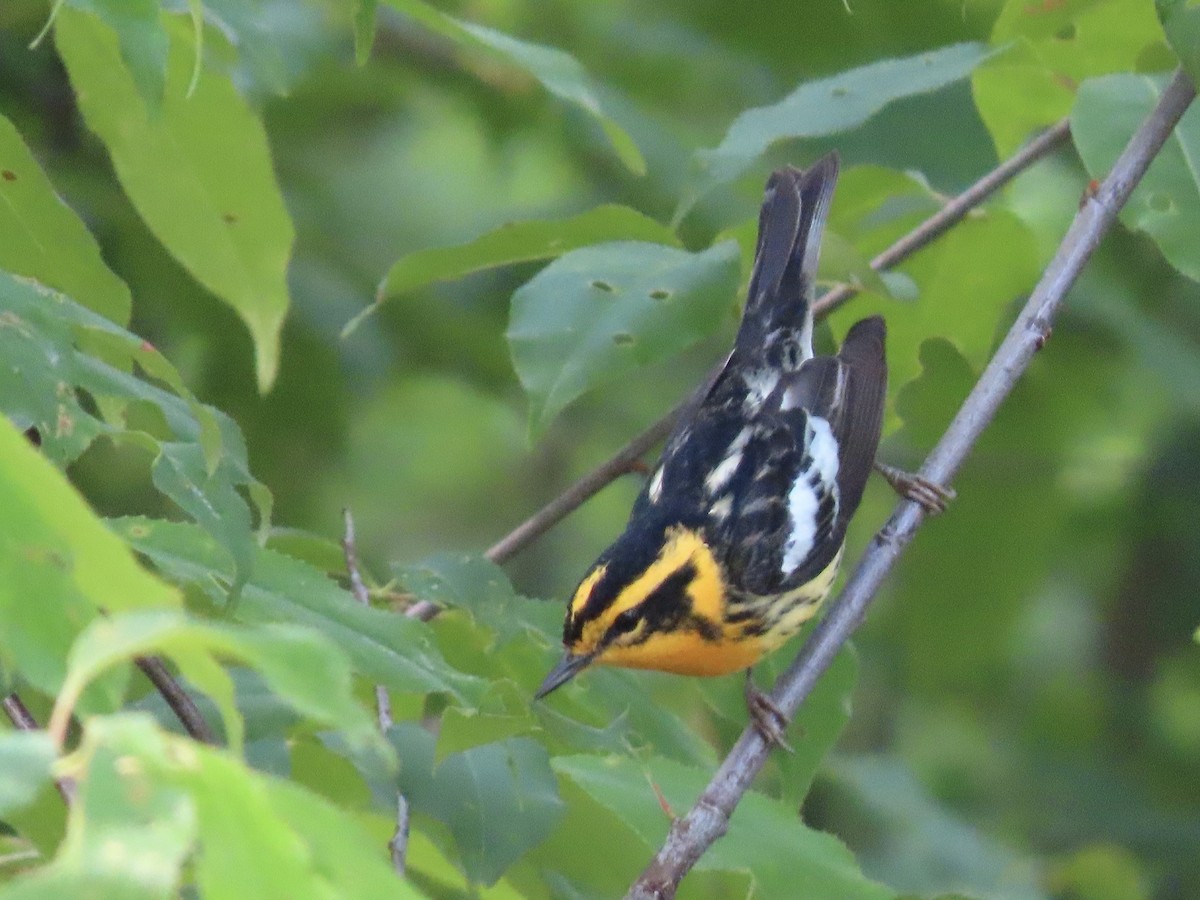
(925, 233)
(691, 835)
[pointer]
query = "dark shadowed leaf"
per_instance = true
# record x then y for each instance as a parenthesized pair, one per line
(498, 799)
(823, 107)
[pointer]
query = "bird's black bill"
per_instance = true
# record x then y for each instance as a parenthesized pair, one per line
(566, 669)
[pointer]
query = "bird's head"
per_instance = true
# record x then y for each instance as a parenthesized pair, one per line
(645, 610)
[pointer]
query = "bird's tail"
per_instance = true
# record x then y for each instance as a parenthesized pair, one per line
(795, 205)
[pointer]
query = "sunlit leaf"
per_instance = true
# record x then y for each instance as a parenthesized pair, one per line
(298, 664)
(604, 310)
(199, 173)
(1166, 204)
(59, 566)
(42, 238)
(152, 803)
(1047, 50)
(823, 107)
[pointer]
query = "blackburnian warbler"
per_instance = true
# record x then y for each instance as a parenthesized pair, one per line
(737, 536)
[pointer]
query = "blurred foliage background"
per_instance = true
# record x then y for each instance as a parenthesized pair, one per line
(1026, 716)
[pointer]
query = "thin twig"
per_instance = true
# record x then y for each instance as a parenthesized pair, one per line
(398, 845)
(925, 233)
(177, 698)
(23, 720)
(691, 835)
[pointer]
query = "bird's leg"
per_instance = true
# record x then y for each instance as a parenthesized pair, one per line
(768, 718)
(933, 497)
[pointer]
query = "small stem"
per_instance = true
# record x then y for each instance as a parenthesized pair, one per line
(398, 845)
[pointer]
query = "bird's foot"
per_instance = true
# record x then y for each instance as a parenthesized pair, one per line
(768, 719)
(931, 496)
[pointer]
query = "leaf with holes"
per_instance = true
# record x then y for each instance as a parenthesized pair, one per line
(516, 242)
(1166, 204)
(601, 311)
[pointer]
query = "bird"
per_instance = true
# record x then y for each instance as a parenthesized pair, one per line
(738, 533)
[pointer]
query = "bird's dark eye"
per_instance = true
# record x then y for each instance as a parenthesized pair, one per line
(626, 621)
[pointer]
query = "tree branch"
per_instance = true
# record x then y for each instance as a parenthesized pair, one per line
(625, 458)
(691, 835)
(177, 698)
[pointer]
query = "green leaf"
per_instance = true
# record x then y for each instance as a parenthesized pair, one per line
(42, 238)
(1181, 22)
(154, 809)
(50, 342)
(54, 550)
(992, 259)
(480, 587)
(928, 850)
(1166, 204)
(143, 41)
(518, 242)
(601, 311)
(25, 760)
(199, 173)
(298, 664)
(388, 649)
(212, 500)
(1049, 50)
(823, 107)
(253, 29)
(559, 72)
(364, 29)
(761, 833)
(498, 800)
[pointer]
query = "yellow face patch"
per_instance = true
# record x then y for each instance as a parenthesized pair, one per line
(684, 551)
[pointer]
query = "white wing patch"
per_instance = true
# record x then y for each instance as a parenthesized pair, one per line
(656, 485)
(804, 501)
(725, 469)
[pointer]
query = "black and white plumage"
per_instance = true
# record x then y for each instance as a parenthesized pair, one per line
(771, 459)
(737, 535)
